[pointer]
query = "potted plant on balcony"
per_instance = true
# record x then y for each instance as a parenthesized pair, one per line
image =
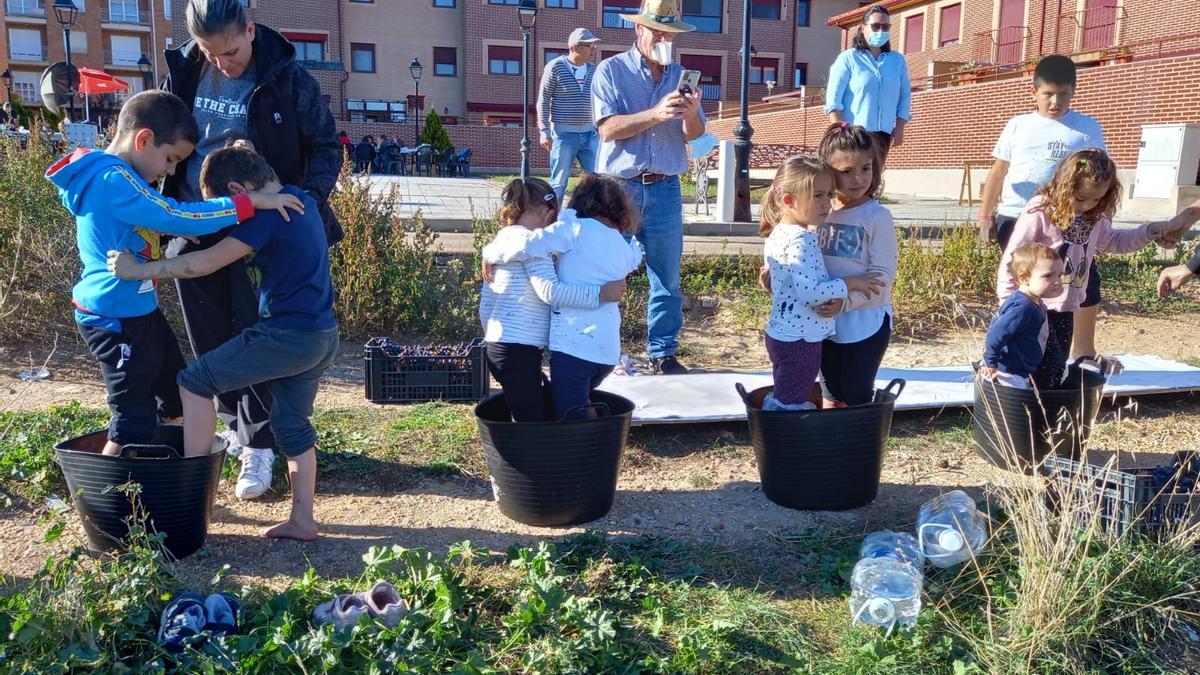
(1031, 66)
(1115, 55)
(972, 71)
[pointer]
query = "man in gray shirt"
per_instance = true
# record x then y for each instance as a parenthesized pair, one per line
(564, 107)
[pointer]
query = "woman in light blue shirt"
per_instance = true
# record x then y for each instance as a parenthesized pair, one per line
(868, 83)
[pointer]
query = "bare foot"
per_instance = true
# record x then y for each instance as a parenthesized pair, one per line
(292, 530)
(111, 450)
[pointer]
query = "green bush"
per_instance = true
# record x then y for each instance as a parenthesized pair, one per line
(434, 133)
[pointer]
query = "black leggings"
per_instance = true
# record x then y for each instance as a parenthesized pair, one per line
(518, 369)
(1052, 370)
(848, 370)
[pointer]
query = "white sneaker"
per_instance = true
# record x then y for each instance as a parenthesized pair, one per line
(234, 446)
(255, 478)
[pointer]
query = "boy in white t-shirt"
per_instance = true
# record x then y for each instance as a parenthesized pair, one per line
(1026, 156)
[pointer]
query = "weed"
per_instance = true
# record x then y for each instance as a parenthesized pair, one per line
(27, 442)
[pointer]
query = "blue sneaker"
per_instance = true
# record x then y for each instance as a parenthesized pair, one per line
(182, 618)
(221, 610)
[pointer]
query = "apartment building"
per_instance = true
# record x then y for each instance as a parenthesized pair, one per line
(791, 45)
(110, 35)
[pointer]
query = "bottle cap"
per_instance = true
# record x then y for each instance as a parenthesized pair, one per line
(950, 540)
(881, 610)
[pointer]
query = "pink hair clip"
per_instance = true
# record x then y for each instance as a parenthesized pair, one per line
(845, 124)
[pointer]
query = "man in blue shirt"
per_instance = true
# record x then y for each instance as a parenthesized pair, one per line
(644, 123)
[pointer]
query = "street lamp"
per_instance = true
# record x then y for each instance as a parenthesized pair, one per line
(66, 12)
(743, 132)
(145, 67)
(414, 69)
(7, 78)
(526, 15)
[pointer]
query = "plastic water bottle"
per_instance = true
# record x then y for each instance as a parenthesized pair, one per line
(885, 592)
(951, 530)
(899, 545)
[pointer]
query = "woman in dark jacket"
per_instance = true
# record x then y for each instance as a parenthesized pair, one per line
(243, 82)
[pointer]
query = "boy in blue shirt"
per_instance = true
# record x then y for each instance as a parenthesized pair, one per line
(115, 207)
(1016, 339)
(295, 339)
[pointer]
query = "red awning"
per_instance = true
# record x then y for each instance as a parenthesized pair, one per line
(93, 81)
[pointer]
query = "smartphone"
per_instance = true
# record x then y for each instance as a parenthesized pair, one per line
(689, 80)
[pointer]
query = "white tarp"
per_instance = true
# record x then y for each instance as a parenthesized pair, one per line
(711, 397)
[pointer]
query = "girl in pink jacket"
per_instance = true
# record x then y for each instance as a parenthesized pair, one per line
(1072, 215)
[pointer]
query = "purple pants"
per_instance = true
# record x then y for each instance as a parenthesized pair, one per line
(795, 366)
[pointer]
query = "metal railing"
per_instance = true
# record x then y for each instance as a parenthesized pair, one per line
(710, 91)
(1002, 46)
(804, 97)
(612, 17)
(122, 57)
(16, 53)
(322, 65)
(126, 13)
(25, 7)
(1090, 30)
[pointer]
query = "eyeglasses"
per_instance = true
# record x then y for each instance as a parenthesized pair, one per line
(879, 26)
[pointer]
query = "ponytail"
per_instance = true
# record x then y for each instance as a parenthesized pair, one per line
(794, 177)
(520, 195)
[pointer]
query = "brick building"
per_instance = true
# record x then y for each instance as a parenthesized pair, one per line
(110, 35)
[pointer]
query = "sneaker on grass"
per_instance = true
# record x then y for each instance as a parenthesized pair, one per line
(385, 603)
(342, 611)
(255, 478)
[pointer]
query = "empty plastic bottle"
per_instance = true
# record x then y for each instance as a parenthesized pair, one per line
(899, 545)
(951, 529)
(885, 592)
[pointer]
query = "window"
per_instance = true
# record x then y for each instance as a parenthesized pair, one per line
(551, 54)
(613, 9)
(309, 51)
(504, 2)
(126, 50)
(362, 57)
(762, 70)
(79, 42)
(801, 76)
(123, 12)
(710, 68)
(167, 9)
(803, 10)
(26, 45)
(705, 15)
(445, 61)
(949, 21)
(609, 53)
(445, 3)
(914, 33)
(562, 4)
(504, 60)
(765, 9)
(25, 86)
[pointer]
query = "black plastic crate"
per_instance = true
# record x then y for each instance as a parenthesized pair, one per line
(1126, 498)
(411, 379)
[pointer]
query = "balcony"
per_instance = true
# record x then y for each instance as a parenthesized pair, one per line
(710, 91)
(27, 53)
(1090, 30)
(122, 58)
(322, 65)
(126, 14)
(1002, 46)
(34, 8)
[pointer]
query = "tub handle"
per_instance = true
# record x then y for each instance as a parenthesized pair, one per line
(898, 384)
(742, 392)
(601, 408)
(136, 451)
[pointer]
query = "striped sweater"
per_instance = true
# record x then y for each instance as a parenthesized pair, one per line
(515, 307)
(560, 98)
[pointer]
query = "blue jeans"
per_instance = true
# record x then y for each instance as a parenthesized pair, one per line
(569, 146)
(661, 235)
(572, 380)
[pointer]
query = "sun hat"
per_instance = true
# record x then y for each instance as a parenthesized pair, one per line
(662, 15)
(581, 36)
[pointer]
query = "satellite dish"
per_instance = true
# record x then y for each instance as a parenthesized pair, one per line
(58, 86)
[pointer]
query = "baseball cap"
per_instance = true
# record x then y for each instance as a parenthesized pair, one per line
(581, 35)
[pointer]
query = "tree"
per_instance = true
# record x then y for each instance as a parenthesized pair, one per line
(434, 133)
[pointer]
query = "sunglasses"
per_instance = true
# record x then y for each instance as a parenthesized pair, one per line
(879, 26)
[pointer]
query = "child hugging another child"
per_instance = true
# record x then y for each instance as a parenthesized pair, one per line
(514, 306)
(1070, 215)
(594, 246)
(1016, 339)
(796, 205)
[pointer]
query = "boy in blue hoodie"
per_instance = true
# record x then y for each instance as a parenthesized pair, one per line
(295, 339)
(115, 207)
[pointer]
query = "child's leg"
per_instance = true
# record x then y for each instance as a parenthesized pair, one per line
(170, 405)
(199, 423)
(571, 382)
(795, 366)
(130, 358)
(518, 369)
(1053, 368)
(301, 524)
(1084, 341)
(849, 379)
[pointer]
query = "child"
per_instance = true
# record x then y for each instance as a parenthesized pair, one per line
(115, 207)
(797, 203)
(514, 306)
(288, 349)
(1027, 153)
(1070, 215)
(585, 344)
(1016, 340)
(858, 236)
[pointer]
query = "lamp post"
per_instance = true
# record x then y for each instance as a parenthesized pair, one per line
(7, 79)
(743, 132)
(145, 67)
(526, 15)
(66, 12)
(414, 69)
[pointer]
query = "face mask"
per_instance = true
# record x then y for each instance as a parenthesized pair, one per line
(877, 39)
(661, 53)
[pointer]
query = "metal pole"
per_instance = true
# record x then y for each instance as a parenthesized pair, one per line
(417, 115)
(525, 104)
(743, 132)
(70, 74)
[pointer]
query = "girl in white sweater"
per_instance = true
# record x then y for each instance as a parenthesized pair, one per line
(514, 307)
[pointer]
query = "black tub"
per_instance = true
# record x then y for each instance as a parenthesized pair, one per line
(1016, 428)
(177, 493)
(821, 460)
(555, 474)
